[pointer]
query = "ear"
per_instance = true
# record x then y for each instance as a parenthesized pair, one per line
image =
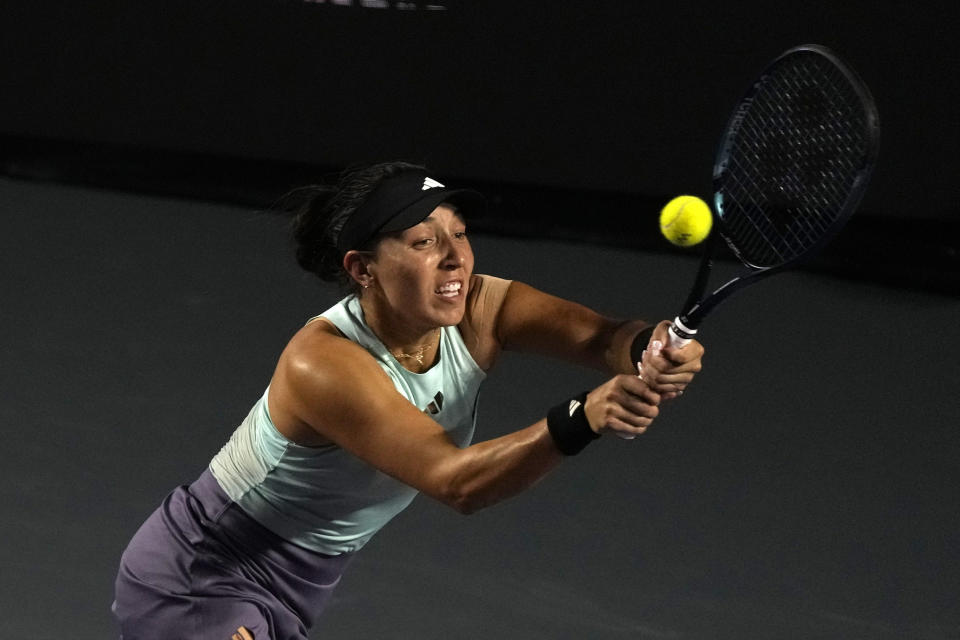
(357, 264)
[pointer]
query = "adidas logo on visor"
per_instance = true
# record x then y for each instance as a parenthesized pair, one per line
(430, 183)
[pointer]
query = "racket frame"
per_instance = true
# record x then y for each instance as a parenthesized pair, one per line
(697, 306)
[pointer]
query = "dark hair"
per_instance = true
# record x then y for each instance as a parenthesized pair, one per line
(320, 211)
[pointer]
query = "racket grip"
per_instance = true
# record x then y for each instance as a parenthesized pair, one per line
(679, 334)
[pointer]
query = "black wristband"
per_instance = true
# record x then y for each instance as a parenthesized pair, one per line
(568, 426)
(639, 344)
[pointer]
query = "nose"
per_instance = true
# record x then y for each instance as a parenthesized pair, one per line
(455, 256)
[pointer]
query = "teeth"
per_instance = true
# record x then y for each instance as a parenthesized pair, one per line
(449, 289)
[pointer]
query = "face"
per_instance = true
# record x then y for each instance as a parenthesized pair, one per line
(422, 274)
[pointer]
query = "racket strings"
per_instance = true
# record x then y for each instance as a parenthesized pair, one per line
(792, 161)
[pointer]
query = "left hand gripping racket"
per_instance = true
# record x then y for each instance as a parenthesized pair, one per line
(791, 168)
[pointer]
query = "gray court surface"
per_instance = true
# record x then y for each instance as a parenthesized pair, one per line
(805, 487)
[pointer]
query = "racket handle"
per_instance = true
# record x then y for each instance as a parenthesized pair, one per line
(679, 334)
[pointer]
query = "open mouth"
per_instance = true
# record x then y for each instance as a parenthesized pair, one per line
(449, 289)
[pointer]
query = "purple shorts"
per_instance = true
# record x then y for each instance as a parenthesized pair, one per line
(200, 567)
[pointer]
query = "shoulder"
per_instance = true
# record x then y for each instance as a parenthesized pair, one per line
(318, 351)
(485, 299)
(322, 371)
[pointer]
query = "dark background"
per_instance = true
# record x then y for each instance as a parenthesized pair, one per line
(806, 487)
(579, 119)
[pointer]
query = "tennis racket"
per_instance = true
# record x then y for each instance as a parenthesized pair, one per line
(791, 168)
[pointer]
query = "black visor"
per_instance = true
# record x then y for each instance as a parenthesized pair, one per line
(400, 202)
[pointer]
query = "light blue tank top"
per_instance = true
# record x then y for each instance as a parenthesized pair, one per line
(324, 498)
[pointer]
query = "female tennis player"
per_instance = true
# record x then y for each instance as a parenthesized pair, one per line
(372, 402)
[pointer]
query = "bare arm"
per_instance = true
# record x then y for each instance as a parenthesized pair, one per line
(348, 399)
(533, 321)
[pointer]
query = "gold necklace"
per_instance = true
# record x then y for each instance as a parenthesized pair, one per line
(418, 356)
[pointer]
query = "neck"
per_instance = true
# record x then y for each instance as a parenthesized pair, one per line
(414, 347)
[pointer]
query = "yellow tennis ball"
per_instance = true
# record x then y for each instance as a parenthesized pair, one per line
(686, 221)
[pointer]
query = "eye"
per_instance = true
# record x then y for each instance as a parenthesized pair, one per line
(423, 242)
(460, 235)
